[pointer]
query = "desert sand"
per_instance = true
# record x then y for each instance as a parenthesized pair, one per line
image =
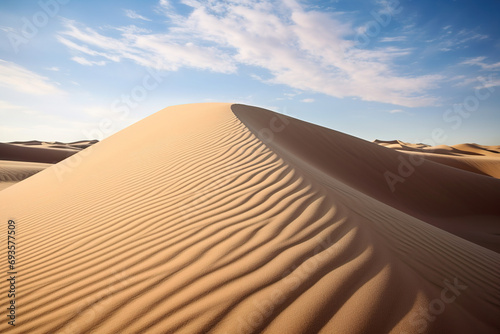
(20, 160)
(222, 218)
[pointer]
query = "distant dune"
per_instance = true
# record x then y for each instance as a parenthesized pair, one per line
(484, 160)
(221, 218)
(20, 160)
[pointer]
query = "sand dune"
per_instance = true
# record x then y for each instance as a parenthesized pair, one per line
(14, 152)
(455, 150)
(20, 160)
(232, 219)
(36, 151)
(480, 159)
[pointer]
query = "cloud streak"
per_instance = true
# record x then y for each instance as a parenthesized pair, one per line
(86, 62)
(479, 61)
(159, 51)
(300, 48)
(133, 15)
(20, 79)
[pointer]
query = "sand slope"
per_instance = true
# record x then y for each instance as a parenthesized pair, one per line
(429, 191)
(197, 219)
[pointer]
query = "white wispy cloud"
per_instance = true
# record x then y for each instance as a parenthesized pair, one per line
(307, 100)
(455, 41)
(134, 15)
(18, 78)
(488, 82)
(465, 82)
(393, 39)
(86, 62)
(132, 29)
(7, 29)
(308, 50)
(304, 49)
(479, 61)
(160, 51)
(395, 111)
(479, 82)
(465, 36)
(53, 68)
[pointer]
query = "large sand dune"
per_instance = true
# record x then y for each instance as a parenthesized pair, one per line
(232, 219)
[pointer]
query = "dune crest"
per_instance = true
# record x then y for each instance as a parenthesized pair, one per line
(233, 219)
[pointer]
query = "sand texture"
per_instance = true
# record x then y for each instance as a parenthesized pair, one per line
(221, 218)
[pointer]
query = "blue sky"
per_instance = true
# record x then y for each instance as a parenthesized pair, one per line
(418, 71)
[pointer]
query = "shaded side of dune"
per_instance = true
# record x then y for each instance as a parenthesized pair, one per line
(429, 191)
(482, 165)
